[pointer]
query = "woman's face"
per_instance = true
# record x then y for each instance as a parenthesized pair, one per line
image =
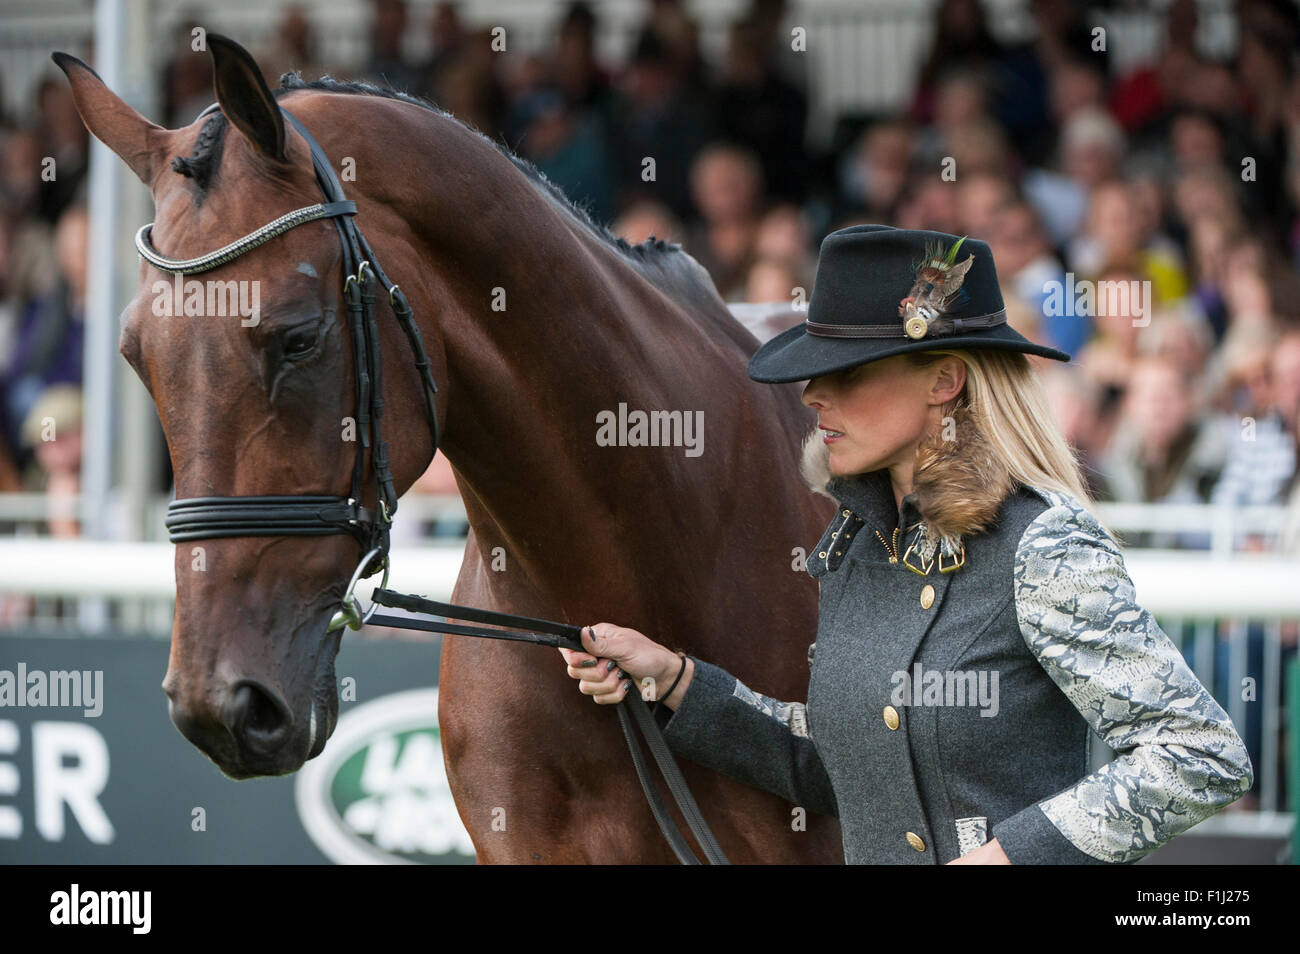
(873, 416)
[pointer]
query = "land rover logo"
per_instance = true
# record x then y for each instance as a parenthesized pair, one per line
(378, 794)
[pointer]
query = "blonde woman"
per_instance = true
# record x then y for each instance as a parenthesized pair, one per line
(976, 620)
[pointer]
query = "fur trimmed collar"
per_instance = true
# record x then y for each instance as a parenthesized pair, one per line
(958, 486)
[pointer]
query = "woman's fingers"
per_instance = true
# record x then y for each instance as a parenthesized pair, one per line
(598, 641)
(606, 683)
(598, 669)
(577, 659)
(601, 672)
(608, 696)
(598, 687)
(605, 639)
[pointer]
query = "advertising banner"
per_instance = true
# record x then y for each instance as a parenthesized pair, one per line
(92, 771)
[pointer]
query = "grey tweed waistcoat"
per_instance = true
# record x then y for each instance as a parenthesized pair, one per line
(950, 708)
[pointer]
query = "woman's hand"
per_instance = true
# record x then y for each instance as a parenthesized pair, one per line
(617, 657)
(989, 853)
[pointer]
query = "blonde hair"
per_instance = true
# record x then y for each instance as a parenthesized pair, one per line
(1008, 403)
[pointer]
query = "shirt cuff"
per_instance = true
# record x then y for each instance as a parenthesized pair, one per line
(1029, 838)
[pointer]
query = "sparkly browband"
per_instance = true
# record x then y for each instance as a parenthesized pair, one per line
(897, 331)
(205, 263)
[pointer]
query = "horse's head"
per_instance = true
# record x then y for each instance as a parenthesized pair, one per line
(250, 366)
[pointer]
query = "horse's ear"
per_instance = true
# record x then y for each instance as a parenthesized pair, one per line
(137, 141)
(245, 98)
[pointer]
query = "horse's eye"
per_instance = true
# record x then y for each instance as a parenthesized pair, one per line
(298, 342)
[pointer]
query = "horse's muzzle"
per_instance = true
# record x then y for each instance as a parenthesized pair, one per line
(248, 731)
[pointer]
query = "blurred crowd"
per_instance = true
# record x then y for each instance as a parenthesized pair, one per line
(1179, 178)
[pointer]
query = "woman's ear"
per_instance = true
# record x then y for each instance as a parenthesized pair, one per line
(949, 379)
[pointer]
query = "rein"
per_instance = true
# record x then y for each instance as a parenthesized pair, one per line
(198, 518)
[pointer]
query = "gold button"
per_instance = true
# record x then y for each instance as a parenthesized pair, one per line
(822, 554)
(846, 513)
(891, 717)
(927, 596)
(915, 841)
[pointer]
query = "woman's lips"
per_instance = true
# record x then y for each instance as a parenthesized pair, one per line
(829, 436)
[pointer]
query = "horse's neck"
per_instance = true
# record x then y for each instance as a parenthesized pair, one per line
(526, 389)
(545, 326)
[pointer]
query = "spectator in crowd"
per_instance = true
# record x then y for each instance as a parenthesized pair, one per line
(65, 147)
(876, 172)
(669, 29)
(772, 280)
(727, 184)
(646, 220)
(1120, 310)
(569, 147)
(1078, 85)
(662, 129)
(387, 63)
(1197, 140)
(1032, 273)
(1286, 374)
(980, 198)
(1091, 149)
(448, 37)
(1261, 460)
(759, 109)
(784, 235)
(1286, 380)
(962, 39)
(469, 88)
(1211, 237)
(1164, 450)
(1116, 231)
(47, 342)
(52, 431)
(295, 47)
(1073, 400)
(186, 80)
(1139, 97)
(927, 202)
(1181, 334)
(960, 106)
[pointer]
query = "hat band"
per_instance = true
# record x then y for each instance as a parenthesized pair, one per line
(959, 325)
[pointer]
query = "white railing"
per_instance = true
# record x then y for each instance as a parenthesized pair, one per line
(1201, 527)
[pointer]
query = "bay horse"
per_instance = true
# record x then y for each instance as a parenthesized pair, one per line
(538, 324)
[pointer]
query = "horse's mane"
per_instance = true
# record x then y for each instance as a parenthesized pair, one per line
(656, 258)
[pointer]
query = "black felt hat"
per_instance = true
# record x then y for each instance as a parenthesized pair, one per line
(882, 291)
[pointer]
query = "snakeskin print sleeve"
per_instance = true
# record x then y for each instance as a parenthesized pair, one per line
(792, 715)
(1180, 758)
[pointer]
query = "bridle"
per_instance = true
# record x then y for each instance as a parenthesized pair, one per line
(199, 518)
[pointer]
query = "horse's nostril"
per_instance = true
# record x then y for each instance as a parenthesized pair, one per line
(257, 719)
